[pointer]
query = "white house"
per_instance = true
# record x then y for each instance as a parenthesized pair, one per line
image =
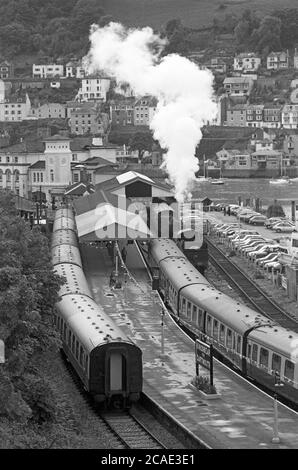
(278, 60)
(94, 89)
(289, 116)
(246, 62)
(47, 71)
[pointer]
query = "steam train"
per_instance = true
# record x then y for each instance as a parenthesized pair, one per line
(256, 346)
(108, 364)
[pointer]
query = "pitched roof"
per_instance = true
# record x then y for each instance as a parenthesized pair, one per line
(78, 189)
(128, 178)
(40, 165)
(56, 137)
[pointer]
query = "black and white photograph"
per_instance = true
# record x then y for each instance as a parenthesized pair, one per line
(148, 230)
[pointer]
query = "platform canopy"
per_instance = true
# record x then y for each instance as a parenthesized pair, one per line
(103, 216)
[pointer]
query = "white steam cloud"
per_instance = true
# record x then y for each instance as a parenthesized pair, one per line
(183, 91)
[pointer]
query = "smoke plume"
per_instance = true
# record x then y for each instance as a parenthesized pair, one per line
(183, 91)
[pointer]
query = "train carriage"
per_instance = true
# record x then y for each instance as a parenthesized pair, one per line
(64, 237)
(64, 223)
(66, 254)
(76, 281)
(246, 338)
(108, 363)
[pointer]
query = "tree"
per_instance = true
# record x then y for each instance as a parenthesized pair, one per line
(267, 36)
(28, 291)
(172, 26)
(141, 141)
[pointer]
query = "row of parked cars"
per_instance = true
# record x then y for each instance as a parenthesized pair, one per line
(263, 252)
(251, 217)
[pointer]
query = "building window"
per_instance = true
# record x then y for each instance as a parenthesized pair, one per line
(34, 177)
(51, 176)
(41, 177)
(76, 177)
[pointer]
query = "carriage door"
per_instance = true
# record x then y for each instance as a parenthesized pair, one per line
(117, 372)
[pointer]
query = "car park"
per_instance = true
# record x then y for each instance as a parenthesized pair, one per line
(257, 220)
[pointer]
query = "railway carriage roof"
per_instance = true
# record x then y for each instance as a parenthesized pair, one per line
(88, 322)
(66, 254)
(64, 237)
(175, 265)
(64, 223)
(233, 314)
(182, 273)
(76, 281)
(278, 339)
(64, 213)
(162, 248)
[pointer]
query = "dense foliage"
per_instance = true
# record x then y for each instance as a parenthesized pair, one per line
(270, 33)
(49, 27)
(28, 291)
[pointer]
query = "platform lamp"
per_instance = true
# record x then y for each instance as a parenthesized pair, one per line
(277, 383)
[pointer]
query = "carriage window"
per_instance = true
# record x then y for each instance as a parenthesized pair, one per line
(201, 319)
(222, 334)
(81, 355)
(194, 314)
(276, 363)
(289, 370)
(254, 356)
(183, 305)
(209, 324)
(64, 331)
(264, 355)
(238, 344)
(215, 329)
(229, 338)
(249, 351)
(69, 338)
(188, 309)
(77, 349)
(73, 343)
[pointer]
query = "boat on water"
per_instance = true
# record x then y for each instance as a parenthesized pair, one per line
(202, 179)
(283, 180)
(219, 181)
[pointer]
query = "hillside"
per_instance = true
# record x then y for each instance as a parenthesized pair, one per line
(193, 13)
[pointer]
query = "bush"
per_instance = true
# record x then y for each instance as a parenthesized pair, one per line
(203, 384)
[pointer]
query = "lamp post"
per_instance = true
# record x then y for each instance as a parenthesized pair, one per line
(277, 383)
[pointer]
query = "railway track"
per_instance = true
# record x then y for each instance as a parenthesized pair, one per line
(124, 430)
(249, 289)
(130, 431)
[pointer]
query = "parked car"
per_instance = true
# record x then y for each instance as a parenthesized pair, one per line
(272, 265)
(246, 240)
(260, 252)
(246, 218)
(266, 259)
(269, 222)
(253, 245)
(258, 220)
(284, 227)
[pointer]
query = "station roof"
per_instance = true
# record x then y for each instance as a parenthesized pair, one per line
(128, 178)
(103, 216)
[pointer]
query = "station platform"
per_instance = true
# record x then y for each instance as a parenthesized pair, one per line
(242, 417)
